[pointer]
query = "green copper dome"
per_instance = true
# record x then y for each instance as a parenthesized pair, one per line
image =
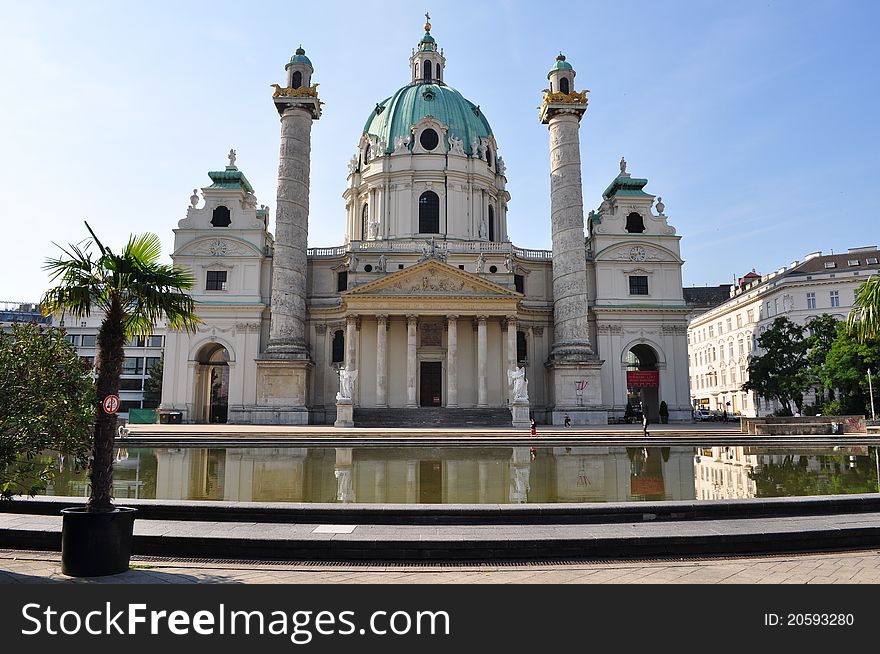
(300, 57)
(412, 103)
(561, 64)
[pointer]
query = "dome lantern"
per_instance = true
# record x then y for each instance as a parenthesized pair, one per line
(561, 76)
(427, 63)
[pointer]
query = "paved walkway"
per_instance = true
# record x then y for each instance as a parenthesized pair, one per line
(861, 567)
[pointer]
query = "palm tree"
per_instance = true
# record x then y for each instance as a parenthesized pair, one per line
(864, 319)
(134, 291)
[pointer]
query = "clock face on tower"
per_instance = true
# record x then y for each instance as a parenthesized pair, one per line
(637, 253)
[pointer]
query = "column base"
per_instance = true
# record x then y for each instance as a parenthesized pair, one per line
(282, 391)
(344, 414)
(577, 391)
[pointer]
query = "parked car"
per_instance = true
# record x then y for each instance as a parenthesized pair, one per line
(704, 415)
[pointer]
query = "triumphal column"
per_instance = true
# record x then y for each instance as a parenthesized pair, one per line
(284, 367)
(574, 366)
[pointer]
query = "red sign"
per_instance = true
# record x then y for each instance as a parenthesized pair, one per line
(642, 378)
(111, 404)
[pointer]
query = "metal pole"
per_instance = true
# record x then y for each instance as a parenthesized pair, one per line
(871, 395)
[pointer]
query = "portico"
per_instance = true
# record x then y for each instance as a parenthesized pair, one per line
(430, 335)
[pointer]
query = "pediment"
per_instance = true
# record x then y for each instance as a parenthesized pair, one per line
(218, 246)
(638, 252)
(432, 278)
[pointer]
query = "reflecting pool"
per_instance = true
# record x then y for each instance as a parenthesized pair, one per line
(482, 475)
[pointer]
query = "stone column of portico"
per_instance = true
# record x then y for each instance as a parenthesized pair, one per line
(452, 362)
(381, 357)
(411, 324)
(511, 350)
(351, 325)
(482, 350)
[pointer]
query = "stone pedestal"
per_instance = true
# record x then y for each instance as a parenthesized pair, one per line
(344, 413)
(281, 392)
(577, 391)
(520, 411)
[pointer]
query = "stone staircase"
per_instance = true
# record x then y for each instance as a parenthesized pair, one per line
(432, 417)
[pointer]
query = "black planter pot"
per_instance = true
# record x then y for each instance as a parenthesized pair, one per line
(93, 543)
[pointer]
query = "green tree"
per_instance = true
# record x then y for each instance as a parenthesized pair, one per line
(153, 384)
(864, 319)
(846, 369)
(781, 373)
(46, 403)
(132, 290)
(823, 331)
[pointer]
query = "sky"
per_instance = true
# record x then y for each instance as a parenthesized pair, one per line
(757, 122)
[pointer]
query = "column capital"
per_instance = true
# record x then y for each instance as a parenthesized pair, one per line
(412, 319)
(482, 319)
(382, 318)
(452, 318)
(353, 319)
(320, 327)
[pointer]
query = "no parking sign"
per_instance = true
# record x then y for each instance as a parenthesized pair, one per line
(111, 404)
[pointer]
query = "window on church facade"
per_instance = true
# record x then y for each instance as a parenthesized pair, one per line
(429, 213)
(220, 217)
(426, 75)
(365, 221)
(215, 280)
(491, 223)
(638, 285)
(296, 80)
(338, 355)
(519, 282)
(564, 86)
(342, 281)
(429, 139)
(634, 223)
(522, 350)
(438, 72)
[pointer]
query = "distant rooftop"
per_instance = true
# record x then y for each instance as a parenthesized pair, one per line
(706, 297)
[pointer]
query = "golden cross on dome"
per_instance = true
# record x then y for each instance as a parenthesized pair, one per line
(427, 22)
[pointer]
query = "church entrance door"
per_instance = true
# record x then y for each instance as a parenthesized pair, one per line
(431, 384)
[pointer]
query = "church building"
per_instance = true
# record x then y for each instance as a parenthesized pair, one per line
(428, 313)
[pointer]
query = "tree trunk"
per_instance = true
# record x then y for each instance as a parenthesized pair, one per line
(111, 351)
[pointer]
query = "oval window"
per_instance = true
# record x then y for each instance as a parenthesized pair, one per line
(429, 139)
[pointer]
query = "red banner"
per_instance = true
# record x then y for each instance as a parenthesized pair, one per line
(642, 378)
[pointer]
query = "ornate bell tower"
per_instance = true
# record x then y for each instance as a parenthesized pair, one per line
(574, 367)
(284, 368)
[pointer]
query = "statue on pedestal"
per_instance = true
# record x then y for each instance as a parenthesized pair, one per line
(347, 379)
(517, 377)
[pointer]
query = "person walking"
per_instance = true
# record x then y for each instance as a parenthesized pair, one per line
(534, 428)
(567, 420)
(645, 424)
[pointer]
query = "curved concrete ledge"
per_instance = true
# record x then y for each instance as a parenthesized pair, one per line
(301, 542)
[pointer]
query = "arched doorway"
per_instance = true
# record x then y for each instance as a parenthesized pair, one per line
(212, 384)
(643, 381)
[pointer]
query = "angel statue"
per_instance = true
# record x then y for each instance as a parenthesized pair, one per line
(347, 379)
(517, 377)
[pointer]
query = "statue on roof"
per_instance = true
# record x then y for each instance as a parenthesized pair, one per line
(194, 198)
(622, 167)
(231, 156)
(660, 206)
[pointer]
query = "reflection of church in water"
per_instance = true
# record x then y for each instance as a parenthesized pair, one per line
(427, 299)
(427, 476)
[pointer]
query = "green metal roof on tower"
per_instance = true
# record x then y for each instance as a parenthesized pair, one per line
(415, 101)
(561, 64)
(299, 57)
